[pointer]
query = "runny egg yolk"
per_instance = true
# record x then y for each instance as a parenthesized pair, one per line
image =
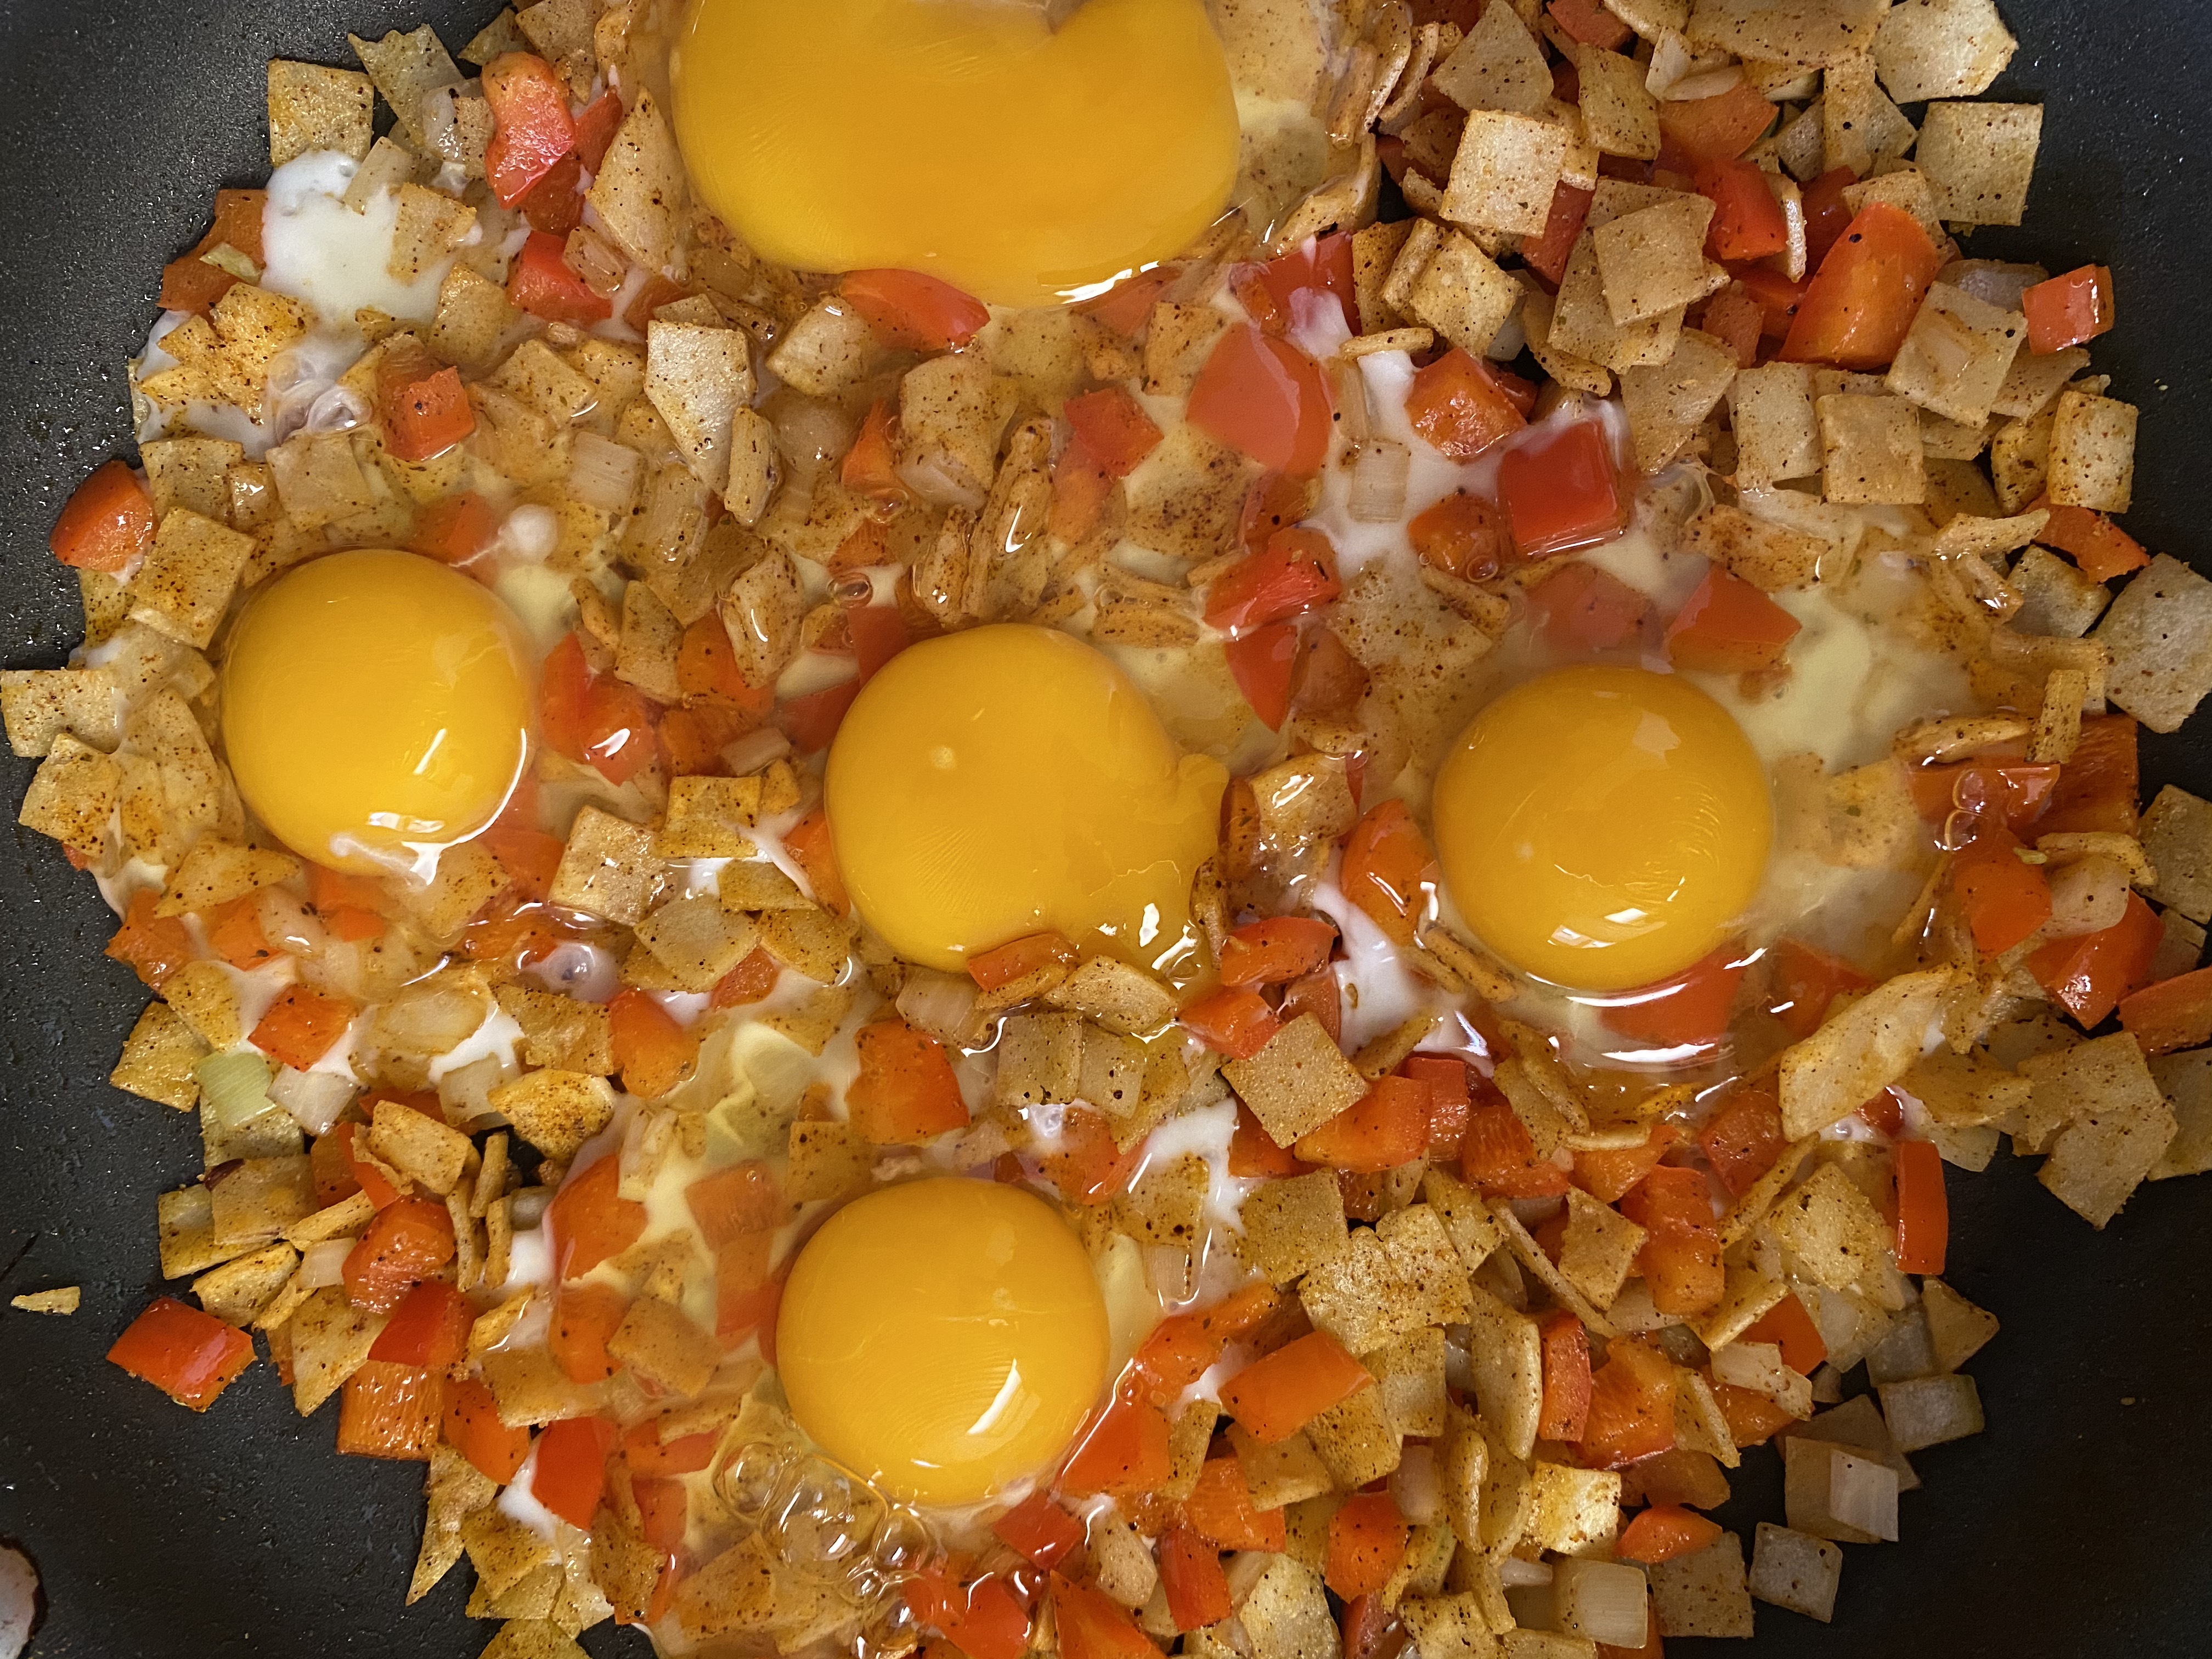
(942, 1338)
(1006, 780)
(374, 707)
(1603, 828)
(966, 138)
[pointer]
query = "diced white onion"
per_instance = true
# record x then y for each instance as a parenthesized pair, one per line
(1378, 494)
(2088, 896)
(1414, 1486)
(1603, 1601)
(761, 747)
(603, 473)
(313, 1098)
(810, 435)
(465, 1092)
(1514, 1570)
(325, 1263)
(939, 1003)
(285, 923)
(1863, 1494)
(591, 258)
(234, 1087)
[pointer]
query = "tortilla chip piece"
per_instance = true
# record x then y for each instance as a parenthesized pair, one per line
(1499, 66)
(1705, 1594)
(640, 194)
(555, 1111)
(158, 1057)
(184, 586)
(1293, 1227)
(1652, 260)
(1812, 33)
(2159, 633)
(407, 69)
(1506, 1356)
(1667, 403)
(606, 868)
(2092, 460)
(2120, 1129)
(1619, 115)
(330, 1339)
(2056, 598)
(1505, 171)
(1355, 1439)
(1770, 556)
(1956, 355)
(428, 1154)
(1574, 1511)
(1582, 325)
(1410, 1376)
(1462, 294)
(40, 704)
(1298, 1082)
(1870, 450)
(1776, 436)
(1832, 1228)
(1980, 158)
(1859, 1054)
(1360, 1299)
(1942, 49)
(311, 107)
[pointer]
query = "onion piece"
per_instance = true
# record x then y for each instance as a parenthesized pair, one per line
(603, 473)
(1379, 472)
(324, 1264)
(939, 1003)
(1603, 1601)
(1862, 1495)
(1416, 1488)
(19, 1600)
(313, 1098)
(234, 1087)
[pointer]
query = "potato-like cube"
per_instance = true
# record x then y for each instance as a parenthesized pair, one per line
(1790, 1570)
(645, 655)
(40, 704)
(1474, 1231)
(1293, 1227)
(1600, 1250)
(260, 1197)
(828, 350)
(1704, 1594)
(1652, 260)
(1505, 171)
(1980, 158)
(471, 319)
(699, 378)
(2093, 453)
(1423, 1256)
(2117, 1135)
(763, 611)
(696, 940)
(1298, 1082)
(1450, 1627)
(2056, 598)
(1286, 1613)
(953, 412)
(158, 1057)
(555, 1111)
(1506, 1358)
(1831, 1228)
(1955, 356)
(1410, 1373)
(606, 869)
(184, 586)
(1178, 339)
(1116, 995)
(2159, 633)
(1776, 434)
(237, 1291)
(1870, 450)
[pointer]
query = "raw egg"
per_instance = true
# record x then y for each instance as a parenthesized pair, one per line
(966, 138)
(376, 707)
(1603, 828)
(1008, 779)
(942, 1338)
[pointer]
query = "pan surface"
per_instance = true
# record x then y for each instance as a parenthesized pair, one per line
(2076, 1525)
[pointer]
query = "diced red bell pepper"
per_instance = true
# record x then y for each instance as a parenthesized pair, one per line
(1124, 1451)
(1088, 1167)
(1789, 1327)
(531, 129)
(1777, 297)
(585, 1316)
(1231, 1021)
(596, 126)
(473, 1429)
(190, 284)
(1274, 1397)
(1561, 490)
(1737, 320)
(1367, 1541)
(1747, 221)
(1547, 253)
(1018, 958)
(154, 946)
(571, 1476)
(1695, 133)
(2174, 1013)
(1828, 215)
(1040, 1530)
(1092, 1626)
(1254, 1155)
(2089, 976)
(1564, 1413)
(1322, 264)
(2098, 787)
(391, 1410)
(1458, 404)
(871, 465)
(1384, 1129)
(2002, 899)
(1923, 1213)
(2067, 310)
(1266, 398)
(652, 1051)
(429, 1327)
(906, 1092)
(1276, 950)
(191, 1356)
(1727, 626)
(911, 309)
(1631, 1408)
(1866, 292)
(1688, 1010)
(1220, 1508)
(1113, 428)
(455, 530)
(2012, 793)
(2100, 548)
(1606, 1173)
(1807, 979)
(544, 284)
(408, 1241)
(1680, 1260)
(1664, 1532)
(589, 1219)
(736, 1199)
(108, 522)
(1190, 1573)
(1293, 572)
(647, 1455)
(1743, 1138)
(1463, 534)
(424, 407)
(302, 1026)
(1263, 663)
(1498, 1157)
(1444, 1076)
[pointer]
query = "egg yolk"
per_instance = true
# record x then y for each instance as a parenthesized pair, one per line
(1009, 780)
(966, 138)
(1603, 828)
(942, 1338)
(374, 707)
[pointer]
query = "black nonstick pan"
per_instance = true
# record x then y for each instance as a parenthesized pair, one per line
(2076, 1525)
